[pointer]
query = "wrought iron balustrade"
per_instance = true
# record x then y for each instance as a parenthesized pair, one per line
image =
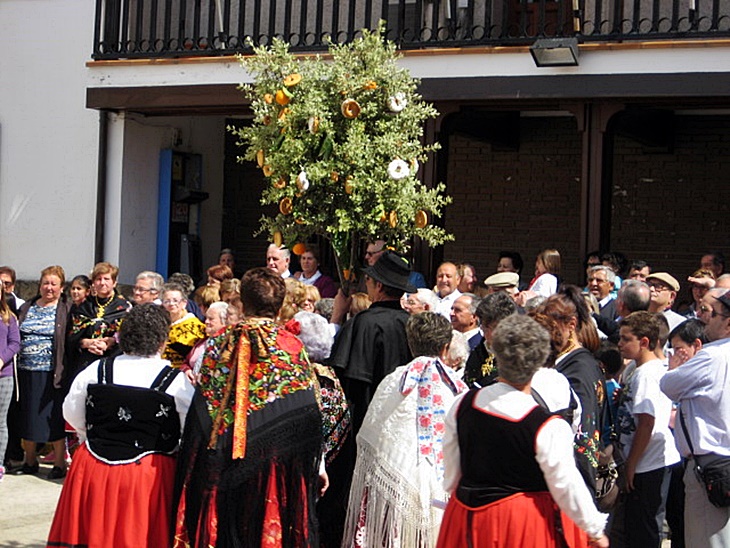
(178, 28)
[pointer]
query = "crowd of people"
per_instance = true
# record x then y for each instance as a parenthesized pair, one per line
(273, 408)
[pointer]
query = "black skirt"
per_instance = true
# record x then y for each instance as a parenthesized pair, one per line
(40, 407)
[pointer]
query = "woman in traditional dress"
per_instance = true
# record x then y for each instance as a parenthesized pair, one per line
(41, 374)
(185, 331)
(95, 322)
(9, 346)
(128, 411)
(248, 473)
(573, 340)
(397, 498)
(509, 463)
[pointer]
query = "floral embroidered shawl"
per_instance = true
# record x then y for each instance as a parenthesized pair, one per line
(258, 362)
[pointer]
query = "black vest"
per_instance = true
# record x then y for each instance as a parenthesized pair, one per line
(125, 423)
(497, 454)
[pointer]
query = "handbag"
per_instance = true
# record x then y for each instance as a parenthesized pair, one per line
(607, 488)
(713, 471)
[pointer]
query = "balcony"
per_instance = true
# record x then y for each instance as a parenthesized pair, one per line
(128, 29)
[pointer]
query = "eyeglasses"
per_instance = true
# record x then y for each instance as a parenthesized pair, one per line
(167, 302)
(371, 253)
(704, 309)
(659, 287)
(138, 289)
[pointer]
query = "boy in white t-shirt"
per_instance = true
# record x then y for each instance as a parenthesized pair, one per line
(647, 443)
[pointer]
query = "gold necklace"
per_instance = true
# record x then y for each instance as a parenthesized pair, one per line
(572, 346)
(102, 307)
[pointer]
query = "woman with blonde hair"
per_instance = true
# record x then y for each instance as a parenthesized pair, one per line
(308, 298)
(360, 302)
(294, 295)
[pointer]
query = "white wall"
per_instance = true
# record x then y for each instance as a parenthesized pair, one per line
(48, 139)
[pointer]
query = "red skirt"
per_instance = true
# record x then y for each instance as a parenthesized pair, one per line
(121, 505)
(523, 520)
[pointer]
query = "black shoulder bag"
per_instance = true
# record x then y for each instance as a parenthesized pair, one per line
(713, 471)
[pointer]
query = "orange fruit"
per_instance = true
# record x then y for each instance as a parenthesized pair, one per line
(282, 98)
(298, 249)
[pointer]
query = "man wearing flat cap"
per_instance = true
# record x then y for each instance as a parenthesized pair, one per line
(368, 347)
(664, 288)
(507, 282)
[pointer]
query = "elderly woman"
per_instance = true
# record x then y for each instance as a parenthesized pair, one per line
(41, 372)
(249, 470)
(95, 322)
(509, 463)
(314, 331)
(311, 275)
(216, 321)
(129, 413)
(399, 467)
(185, 330)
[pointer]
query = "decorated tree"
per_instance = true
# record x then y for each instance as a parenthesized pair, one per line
(341, 142)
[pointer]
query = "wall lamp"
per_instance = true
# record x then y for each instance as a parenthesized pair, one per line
(555, 52)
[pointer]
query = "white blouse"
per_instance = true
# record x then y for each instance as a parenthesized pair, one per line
(554, 454)
(127, 371)
(545, 285)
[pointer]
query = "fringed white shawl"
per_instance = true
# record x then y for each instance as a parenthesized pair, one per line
(399, 470)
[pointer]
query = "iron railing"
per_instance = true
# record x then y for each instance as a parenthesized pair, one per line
(177, 28)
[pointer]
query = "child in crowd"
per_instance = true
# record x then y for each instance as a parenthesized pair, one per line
(609, 358)
(646, 441)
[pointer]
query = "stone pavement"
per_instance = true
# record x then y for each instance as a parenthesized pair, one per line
(28, 504)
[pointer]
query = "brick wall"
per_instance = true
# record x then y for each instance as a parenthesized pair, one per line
(523, 200)
(669, 209)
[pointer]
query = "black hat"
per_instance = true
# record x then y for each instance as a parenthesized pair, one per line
(392, 270)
